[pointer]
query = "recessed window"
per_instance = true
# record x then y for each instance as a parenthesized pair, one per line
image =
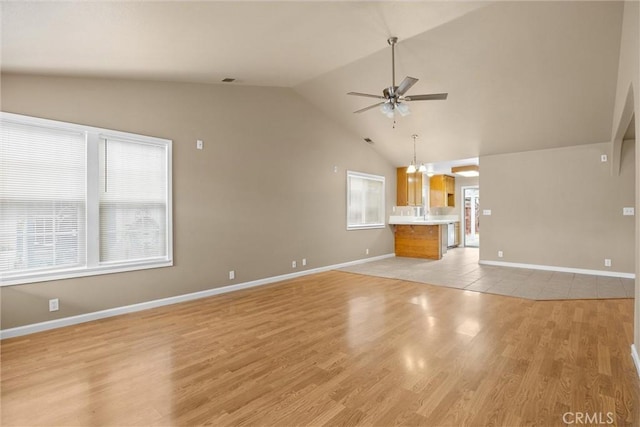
(365, 201)
(77, 200)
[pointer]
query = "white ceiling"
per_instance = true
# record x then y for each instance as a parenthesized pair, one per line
(520, 75)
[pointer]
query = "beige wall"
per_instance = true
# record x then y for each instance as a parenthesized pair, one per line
(629, 77)
(560, 207)
(262, 193)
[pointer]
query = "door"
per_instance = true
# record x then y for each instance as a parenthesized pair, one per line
(472, 217)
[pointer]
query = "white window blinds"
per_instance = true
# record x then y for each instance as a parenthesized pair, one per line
(77, 200)
(42, 195)
(365, 200)
(133, 200)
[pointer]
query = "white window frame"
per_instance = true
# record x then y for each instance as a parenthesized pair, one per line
(382, 206)
(93, 267)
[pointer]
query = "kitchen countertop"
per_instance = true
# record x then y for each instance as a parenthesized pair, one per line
(410, 220)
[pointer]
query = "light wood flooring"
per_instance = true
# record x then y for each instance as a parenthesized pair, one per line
(334, 349)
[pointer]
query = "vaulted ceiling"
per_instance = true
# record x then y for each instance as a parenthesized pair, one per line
(520, 75)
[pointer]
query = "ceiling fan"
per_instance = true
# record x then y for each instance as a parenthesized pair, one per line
(394, 97)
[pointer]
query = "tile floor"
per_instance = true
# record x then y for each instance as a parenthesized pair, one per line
(459, 269)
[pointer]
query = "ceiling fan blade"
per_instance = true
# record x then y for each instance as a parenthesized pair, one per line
(405, 85)
(369, 107)
(431, 97)
(367, 95)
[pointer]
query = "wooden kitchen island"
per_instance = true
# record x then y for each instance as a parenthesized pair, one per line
(422, 236)
(419, 240)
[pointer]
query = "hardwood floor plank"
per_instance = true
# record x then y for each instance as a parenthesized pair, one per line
(331, 349)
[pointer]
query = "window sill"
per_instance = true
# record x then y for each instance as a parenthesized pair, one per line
(12, 280)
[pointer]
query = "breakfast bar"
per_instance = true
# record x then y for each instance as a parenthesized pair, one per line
(416, 237)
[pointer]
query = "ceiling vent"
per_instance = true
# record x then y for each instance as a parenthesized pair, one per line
(228, 80)
(368, 141)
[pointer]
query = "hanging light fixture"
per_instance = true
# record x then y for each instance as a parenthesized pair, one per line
(413, 167)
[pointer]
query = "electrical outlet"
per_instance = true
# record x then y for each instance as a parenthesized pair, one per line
(628, 211)
(294, 264)
(199, 144)
(500, 254)
(607, 262)
(603, 158)
(54, 304)
(304, 261)
(366, 252)
(232, 274)
(486, 212)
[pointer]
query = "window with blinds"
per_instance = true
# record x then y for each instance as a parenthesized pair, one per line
(77, 200)
(133, 207)
(42, 196)
(365, 201)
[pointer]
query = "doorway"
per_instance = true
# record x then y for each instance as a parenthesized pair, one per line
(471, 206)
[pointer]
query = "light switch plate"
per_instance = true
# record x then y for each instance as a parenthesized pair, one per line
(628, 211)
(603, 158)
(486, 212)
(199, 144)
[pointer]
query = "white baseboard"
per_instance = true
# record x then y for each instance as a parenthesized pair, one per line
(81, 318)
(636, 358)
(560, 269)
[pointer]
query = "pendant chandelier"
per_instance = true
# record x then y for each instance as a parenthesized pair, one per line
(413, 168)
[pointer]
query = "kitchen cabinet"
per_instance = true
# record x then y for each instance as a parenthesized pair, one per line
(442, 191)
(409, 186)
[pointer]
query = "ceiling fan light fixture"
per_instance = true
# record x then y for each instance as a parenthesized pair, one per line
(387, 109)
(393, 97)
(403, 109)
